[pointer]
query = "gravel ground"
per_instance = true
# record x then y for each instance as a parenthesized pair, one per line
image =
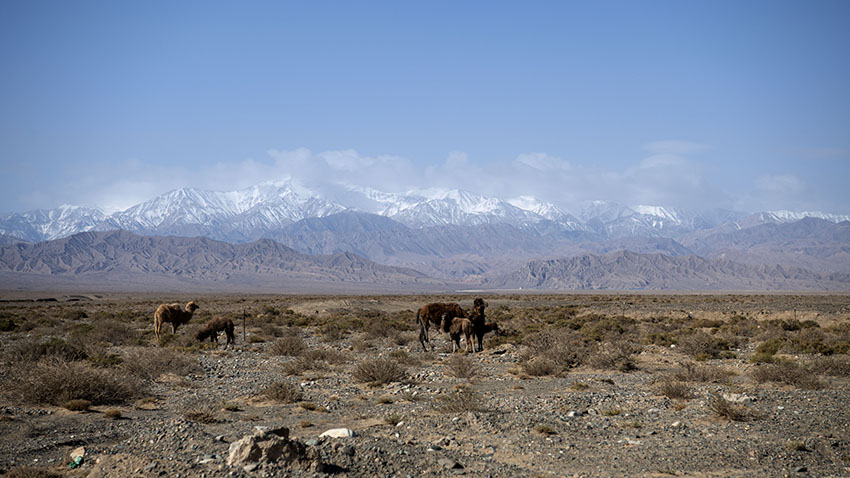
(584, 423)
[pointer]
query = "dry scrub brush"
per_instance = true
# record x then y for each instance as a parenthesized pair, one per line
(291, 346)
(149, 364)
(284, 392)
(728, 410)
(56, 382)
(693, 372)
(787, 373)
(462, 400)
(379, 371)
(461, 367)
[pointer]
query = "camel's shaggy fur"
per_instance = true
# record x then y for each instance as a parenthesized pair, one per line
(173, 314)
(478, 324)
(479, 332)
(459, 326)
(434, 312)
(215, 326)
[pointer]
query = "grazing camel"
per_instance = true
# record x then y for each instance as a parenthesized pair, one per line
(459, 326)
(173, 314)
(433, 313)
(213, 327)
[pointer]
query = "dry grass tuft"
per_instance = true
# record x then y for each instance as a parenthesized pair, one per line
(379, 371)
(284, 392)
(674, 390)
(788, 373)
(77, 405)
(291, 346)
(723, 408)
(56, 383)
(461, 367)
(203, 412)
(461, 401)
(692, 372)
(545, 429)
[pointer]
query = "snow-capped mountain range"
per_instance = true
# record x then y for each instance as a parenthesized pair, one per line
(261, 210)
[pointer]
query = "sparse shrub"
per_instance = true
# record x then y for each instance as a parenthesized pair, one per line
(762, 357)
(545, 429)
(32, 350)
(402, 338)
(381, 371)
(56, 383)
(731, 411)
(539, 367)
(385, 400)
(674, 389)
(607, 328)
(707, 323)
(460, 401)
(77, 405)
(833, 366)
(301, 365)
(231, 407)
(461, 367)
(305, 424)
(788, 373)
(7, 325)
(284, 392)
(797, 446)
(662, 339)
(703, 346)
(360, 344)
(393, 419)
(203, 412)
(104, 331)
(257, 339)
(564, 347)
(149, 364)
(75, 314)
(291, 346)
(614, 356)
(579, 386)
(331, 333)
(308, 405)
(691, 372)
(611, 412)
(404, 358)
(112, 414)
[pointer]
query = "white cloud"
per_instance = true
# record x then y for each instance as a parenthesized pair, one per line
(783, 184)
(541, 162)
(669, 176)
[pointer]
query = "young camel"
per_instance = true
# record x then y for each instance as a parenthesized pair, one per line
(173, 314)
(459, 325)
(215, 326)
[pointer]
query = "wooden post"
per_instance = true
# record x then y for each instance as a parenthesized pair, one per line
(244, 319)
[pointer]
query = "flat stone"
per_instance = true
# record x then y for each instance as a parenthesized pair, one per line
(338, 433)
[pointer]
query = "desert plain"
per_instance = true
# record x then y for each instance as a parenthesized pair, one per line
(597, 384)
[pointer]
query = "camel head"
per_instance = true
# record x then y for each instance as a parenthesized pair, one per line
(192, 306)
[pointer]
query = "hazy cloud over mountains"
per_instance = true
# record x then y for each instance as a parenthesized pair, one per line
(670, 173)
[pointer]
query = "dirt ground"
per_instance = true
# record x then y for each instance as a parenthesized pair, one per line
(702, 385)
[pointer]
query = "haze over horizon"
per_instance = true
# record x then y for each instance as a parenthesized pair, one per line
(739, 105)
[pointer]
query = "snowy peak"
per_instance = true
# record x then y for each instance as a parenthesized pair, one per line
(791, 216)
(265, 209)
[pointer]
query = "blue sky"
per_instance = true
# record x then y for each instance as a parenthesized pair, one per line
(738, 104)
